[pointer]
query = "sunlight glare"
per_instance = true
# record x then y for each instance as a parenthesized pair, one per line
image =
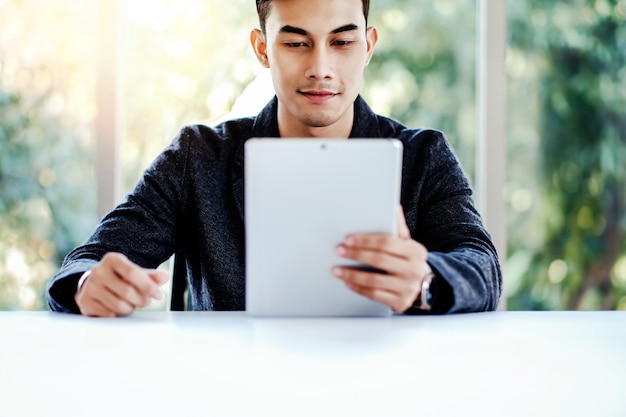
(17, 266)
(149, 13)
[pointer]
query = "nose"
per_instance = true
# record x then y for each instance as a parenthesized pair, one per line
(320, 64)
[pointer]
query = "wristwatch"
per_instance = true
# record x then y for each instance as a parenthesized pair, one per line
(82, 280)
(426, 297)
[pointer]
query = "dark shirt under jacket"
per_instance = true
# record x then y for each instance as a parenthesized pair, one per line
(191, 199)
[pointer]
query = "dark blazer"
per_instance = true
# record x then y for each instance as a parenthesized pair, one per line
(191, 200)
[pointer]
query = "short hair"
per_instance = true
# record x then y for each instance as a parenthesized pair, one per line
(263, 9)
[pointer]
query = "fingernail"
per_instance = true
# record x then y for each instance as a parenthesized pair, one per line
(337, 272)
(157, 294)
(341, 250)
(349, 241)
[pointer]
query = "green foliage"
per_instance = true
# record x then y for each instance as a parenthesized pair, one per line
(424, 68)
(183, 62)
(44, 198)
(580, 48)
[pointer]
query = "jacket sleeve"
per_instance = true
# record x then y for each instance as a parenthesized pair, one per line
(442, 216)
(144, 227)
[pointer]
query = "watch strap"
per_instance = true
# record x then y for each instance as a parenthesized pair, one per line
(426, 297)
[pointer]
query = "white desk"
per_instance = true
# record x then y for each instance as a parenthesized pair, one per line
(226, 364)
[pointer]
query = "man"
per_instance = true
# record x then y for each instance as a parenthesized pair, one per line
(191, 198)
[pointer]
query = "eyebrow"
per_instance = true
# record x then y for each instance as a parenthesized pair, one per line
(345, 28)
(300, 31)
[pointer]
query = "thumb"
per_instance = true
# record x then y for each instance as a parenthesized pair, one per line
(403, 229)
(159, 277)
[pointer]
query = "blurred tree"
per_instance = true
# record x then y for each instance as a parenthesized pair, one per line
(424, 67)
(45, 199)
(580, 50)
(183, 62)
(47, 193)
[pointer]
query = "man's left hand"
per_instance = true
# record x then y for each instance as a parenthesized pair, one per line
(401, 257)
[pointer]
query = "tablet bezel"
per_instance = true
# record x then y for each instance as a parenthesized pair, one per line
(302, 197)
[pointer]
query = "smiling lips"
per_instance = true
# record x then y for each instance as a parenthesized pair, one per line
(318, 96)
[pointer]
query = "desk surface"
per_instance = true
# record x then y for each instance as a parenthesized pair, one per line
(227, 364)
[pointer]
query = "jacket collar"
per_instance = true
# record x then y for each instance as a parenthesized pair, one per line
(365, 124)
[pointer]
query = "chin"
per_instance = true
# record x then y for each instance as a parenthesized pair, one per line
(318, 120)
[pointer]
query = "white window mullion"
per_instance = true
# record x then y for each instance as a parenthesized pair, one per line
(108, 123)
(491, 154)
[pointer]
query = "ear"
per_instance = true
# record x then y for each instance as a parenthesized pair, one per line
(371, 37)
(257, 39)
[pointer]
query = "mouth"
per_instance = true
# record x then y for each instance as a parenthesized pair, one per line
(318, 96)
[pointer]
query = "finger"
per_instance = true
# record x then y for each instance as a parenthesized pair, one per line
(403, 229)
(391, 263)
(385, 297)
(133, 274)
(105, 293)
(160, 278)
(384, 252)
(113, 303)
(405, 248)
(114, 284)
(89, 305)
(110, 290)
(96, 309)
(86, 306)
(369, 280)
(125, 291)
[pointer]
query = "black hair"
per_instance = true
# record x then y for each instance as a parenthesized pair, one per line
(263, 9)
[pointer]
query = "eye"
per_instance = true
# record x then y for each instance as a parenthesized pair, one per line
(295, 44)
(342, 43)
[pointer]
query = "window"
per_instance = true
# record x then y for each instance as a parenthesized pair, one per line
(189, 61)
(47, 107)
(566, 151)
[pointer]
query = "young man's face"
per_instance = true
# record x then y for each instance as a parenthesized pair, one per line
(316, 52)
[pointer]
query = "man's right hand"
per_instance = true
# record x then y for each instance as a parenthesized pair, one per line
(116, 286)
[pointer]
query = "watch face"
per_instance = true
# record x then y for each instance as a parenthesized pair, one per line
(428, 297)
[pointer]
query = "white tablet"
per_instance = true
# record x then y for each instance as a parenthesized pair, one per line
(302, 197)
